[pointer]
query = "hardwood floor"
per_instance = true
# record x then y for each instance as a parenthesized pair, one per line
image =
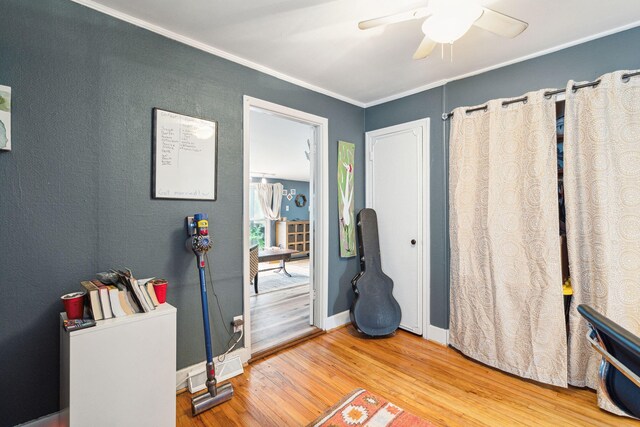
(292, 387)
(279, 316)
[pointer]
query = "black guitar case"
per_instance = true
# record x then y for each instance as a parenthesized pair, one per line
(374, 311)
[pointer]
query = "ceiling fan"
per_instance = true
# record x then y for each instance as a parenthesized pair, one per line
(448, 20)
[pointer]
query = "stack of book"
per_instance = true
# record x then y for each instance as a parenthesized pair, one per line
(118, 296)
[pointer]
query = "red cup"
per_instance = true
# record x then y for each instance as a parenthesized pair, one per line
(73, 304)
(160, 288)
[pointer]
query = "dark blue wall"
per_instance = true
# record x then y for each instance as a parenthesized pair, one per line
(583, 62)
(75, 195)
(294, 212)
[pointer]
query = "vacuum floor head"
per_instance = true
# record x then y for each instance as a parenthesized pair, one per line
(206, 401)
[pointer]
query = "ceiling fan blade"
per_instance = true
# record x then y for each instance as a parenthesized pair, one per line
(421, 12)
(500, 24)
(426, 47)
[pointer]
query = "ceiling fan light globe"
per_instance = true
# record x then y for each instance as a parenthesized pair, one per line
(451, 19)
(443, 30)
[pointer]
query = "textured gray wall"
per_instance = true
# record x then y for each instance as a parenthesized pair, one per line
(76, 187)
(583, 62)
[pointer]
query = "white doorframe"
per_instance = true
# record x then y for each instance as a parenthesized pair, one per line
(424, 228)
(320, 250)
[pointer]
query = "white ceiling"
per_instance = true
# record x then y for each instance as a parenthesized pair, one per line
(278, 146)
(316, 43)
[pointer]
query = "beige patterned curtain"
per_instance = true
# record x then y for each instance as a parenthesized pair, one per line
(602, 199)
(506, 285)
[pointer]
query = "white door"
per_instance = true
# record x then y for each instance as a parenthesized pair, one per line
(397, 189)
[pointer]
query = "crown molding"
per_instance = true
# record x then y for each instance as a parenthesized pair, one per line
(546, 51)
(406, 93)
(266, 70)
(212, 50)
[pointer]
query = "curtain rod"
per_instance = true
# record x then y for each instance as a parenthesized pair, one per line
(625, 78)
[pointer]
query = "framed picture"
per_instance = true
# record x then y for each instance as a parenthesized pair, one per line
(185, 157)
(293, 191)
(284, 193)
(301, 200)
(346, 156)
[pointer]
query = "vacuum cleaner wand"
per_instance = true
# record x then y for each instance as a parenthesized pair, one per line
(200, 243)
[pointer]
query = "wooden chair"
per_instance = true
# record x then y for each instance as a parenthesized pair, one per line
(253, 266)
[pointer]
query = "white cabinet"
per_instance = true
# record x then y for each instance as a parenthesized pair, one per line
(121, 372)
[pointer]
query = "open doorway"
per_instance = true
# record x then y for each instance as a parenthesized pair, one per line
(285, 259)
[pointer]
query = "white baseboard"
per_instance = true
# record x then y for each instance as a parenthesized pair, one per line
(439, 335)
(337, 320)
(183, 374)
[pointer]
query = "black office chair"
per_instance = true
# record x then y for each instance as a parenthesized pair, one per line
(620, 366)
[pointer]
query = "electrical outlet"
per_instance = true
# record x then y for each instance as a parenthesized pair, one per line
(286, 208)
(238, 322)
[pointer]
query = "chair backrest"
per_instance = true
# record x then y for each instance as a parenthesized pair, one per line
(253, 261)
(622, 348)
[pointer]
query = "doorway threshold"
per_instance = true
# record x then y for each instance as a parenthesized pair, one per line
(293, 341)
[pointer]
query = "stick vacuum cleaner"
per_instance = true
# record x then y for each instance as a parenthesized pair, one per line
(200, 242)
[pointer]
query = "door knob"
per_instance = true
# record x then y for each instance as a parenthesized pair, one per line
(413, 242)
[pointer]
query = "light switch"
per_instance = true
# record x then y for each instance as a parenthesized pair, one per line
(286, 208)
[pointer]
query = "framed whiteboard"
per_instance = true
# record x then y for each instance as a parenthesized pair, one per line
(185, 157)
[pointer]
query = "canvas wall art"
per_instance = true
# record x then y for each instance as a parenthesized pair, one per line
(5, 118)
(346, 153)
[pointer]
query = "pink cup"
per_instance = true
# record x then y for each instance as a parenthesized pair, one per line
(160, 288)
(73, 304)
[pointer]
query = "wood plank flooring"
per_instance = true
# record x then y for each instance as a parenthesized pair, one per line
(279, 316)
(292, 387)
